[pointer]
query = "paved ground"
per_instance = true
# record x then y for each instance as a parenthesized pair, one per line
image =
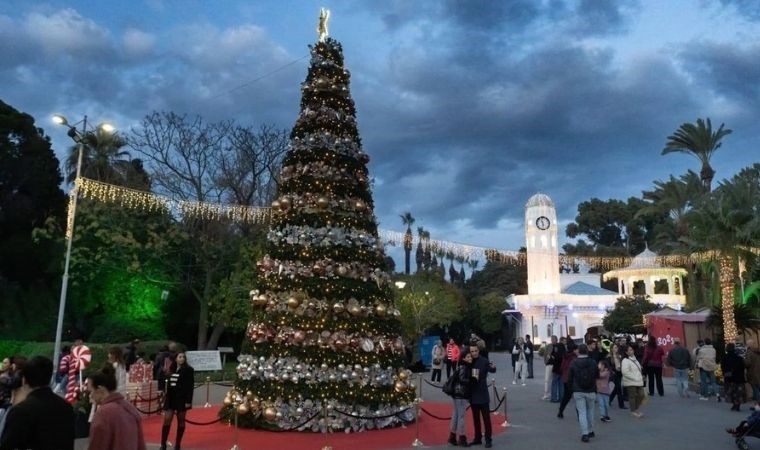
(670, 422)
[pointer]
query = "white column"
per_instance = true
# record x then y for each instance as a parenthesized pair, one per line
(620, 285)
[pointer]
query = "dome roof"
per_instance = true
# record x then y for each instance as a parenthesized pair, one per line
(540, 200)
(645, 260)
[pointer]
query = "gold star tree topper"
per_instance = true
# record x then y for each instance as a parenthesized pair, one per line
(324, 15)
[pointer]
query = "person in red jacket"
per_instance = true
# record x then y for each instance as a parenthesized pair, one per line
(652, 364)
(452, 356)
(117, 424)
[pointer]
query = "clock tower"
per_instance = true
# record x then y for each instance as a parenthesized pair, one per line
(541, 242)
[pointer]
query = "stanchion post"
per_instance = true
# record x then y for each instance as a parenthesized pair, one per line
(324, 416)
(208, 387)
(496, 394)
(506, 418)
(150, 395)
(417, 442)
(235, 445)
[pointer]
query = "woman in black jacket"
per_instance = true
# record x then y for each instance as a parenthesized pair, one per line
(179, 398)
(461, 397)
(733, 377)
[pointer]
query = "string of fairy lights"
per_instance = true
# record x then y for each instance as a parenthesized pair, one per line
(151, 202)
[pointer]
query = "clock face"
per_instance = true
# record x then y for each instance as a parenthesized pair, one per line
(542, 223)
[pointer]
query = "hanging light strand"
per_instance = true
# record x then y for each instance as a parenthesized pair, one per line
(150, 202)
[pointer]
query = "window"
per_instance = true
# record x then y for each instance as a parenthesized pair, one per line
(639, 288)
(661, 287)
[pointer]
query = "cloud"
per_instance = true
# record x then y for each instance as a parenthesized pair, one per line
(67, 32)
(748, 8)
(137, 43)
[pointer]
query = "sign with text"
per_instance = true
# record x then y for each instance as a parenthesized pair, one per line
(204, 360)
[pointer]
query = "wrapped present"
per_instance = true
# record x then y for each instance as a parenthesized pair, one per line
(140, 372)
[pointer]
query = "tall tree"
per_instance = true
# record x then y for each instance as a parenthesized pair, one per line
(408, 220)
(700, 141)
(104, 159)
(672, 201)
(324, 335)
(419, 255)
(30, 198)
(727, 223)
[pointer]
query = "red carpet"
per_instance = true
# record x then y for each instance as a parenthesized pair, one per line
(221, 436)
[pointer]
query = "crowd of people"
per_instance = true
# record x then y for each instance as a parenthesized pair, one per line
(34, 413)
(599, 372)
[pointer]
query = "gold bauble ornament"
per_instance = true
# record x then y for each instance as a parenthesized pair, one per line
(338, 308)
(355, 310)
(242, 409)
(248, 395)
(270, 414)
(403, 375)
(323, 202)
(285, 203)
(276, 205)
(227, 401)
(342, 270)
(400, 386)
(293, 302)
(381, 310)
(299, 336)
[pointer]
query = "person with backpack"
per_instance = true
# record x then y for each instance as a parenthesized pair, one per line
(582, 379)
(460, 394)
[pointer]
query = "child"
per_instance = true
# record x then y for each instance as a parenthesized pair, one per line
(603, 390)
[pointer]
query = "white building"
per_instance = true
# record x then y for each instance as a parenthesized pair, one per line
(564, 304)
(556, 304)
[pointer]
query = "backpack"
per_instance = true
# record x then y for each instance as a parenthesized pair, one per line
(584, 376)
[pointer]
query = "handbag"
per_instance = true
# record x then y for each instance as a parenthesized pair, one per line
(450, 386)
(436, 361)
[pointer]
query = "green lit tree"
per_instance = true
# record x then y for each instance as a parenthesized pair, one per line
(324, 334)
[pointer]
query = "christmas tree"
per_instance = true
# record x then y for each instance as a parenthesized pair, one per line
(323, 338)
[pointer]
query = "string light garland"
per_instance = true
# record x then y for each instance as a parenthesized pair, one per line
(727, 298)
(151, 202)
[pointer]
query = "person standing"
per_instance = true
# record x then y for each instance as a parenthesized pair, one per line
(436, 361)
(603, 389)
(461, 396)
(567, 361)
(529, 354)
(680, 360)
(520, 356)
(116, 360)
(480, 400)
(733, 377)
(549, 365)
(616, 356)
(706, 364)
(131, 356)
(179, 398)
(652, 363)
(452, 356)
(633, 380)
(43, 420)
(117, 425)
(582, 379)
(555, 360)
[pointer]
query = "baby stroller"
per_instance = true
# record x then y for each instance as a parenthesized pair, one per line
(747, 427)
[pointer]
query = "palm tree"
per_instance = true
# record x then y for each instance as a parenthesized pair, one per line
(727, 223)
(473, 263)
(427, 256)
(419, 255)
(672, 201)
(408, 220)
(700, 141)
(104, 160)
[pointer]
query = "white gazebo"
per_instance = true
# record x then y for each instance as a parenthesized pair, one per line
(646, 276)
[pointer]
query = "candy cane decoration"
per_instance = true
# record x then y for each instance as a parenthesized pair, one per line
(80, 359)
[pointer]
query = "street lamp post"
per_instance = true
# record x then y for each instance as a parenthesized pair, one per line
(78, 137)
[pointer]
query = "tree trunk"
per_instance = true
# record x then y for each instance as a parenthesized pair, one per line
(727, 298)
(203, 313)
(216, 333)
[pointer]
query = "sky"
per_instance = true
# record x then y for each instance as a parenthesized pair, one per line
(467, 108)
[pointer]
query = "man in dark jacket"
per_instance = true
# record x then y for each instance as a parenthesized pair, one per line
(582, 378)
(680, 360)
(42, 421)
(480, 399)
(529, 355)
